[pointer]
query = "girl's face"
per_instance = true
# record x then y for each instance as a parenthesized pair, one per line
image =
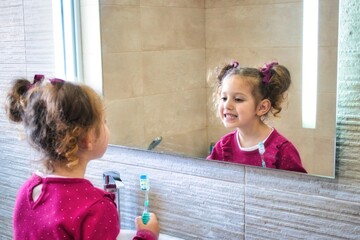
(237, 106)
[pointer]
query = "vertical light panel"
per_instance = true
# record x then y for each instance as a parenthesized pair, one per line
(91, 45)
(58, 39)
(310, 62)
(67, 39)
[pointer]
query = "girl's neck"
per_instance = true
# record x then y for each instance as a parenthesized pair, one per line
(252, 136)
(64, 171)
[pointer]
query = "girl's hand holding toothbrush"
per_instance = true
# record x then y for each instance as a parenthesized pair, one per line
(152, 225)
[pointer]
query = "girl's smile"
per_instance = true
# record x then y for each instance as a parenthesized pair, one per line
(230, 116)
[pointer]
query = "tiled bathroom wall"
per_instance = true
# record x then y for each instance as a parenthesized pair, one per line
(196, 199)
(26, 46)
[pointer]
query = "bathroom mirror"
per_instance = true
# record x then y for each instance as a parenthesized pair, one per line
(156, 56)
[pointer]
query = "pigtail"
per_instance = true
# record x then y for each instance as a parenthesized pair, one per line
(16, 100)
(67, 146)
(277, 86)
(227, 69)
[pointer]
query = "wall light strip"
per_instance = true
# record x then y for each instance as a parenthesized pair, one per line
(66, 22)
(310, 62)
(58, 39)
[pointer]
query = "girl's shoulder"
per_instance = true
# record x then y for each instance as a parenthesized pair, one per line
(281, 144)
(276, 138)
(229, 137)
(223, 149)
(70, 186)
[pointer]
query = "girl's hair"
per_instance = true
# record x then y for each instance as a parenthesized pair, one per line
(55, 115)
(268, 82)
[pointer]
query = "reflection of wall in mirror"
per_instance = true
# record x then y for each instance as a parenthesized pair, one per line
(155, 74)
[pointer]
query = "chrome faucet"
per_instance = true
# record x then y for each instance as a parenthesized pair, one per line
(112, 183)
(156, 141)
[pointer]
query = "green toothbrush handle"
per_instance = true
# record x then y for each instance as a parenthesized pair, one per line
(145, 217)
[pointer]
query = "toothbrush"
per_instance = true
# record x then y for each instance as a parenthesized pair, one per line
(262, 151)
(145, 186)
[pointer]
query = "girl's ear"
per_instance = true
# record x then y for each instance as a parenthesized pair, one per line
(263, 107)
(85, 141)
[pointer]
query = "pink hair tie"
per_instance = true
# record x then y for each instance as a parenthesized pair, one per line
(266, 70)
(37, 78)
(235, 64)
(56, 80)
(40, 78)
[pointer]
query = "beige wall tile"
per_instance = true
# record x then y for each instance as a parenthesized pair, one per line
(120, 2)
(231, 3)
(120, 28)
(326, 120)
(174, 113)
(174, 3)
(328, 22)
(187, 143)
(323, 157)
(327, 69)
(122, 75)
(316, 156)
(212, 118)
(290, 116)
(244, 26)
(125, 119)
(170, 71)
(172, 28)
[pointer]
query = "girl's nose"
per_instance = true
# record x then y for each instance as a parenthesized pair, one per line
(228, 104)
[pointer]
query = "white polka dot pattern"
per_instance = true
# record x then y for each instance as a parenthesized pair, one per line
(67, 208)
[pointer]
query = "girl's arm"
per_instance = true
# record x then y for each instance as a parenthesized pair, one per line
(100, 222)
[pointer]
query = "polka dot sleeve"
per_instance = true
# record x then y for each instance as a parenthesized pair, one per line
(101, 221)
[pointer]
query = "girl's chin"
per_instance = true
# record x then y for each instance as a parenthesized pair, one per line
(229, 124)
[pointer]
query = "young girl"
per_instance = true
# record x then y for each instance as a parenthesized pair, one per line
(244, 97)
(66, 123)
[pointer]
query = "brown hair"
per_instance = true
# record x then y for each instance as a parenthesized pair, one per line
(274, 90)
(55, 116)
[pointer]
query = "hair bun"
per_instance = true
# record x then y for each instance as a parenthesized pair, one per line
(15, 102)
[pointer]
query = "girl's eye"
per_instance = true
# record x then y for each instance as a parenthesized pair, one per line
(223, 99)
(239, 100)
